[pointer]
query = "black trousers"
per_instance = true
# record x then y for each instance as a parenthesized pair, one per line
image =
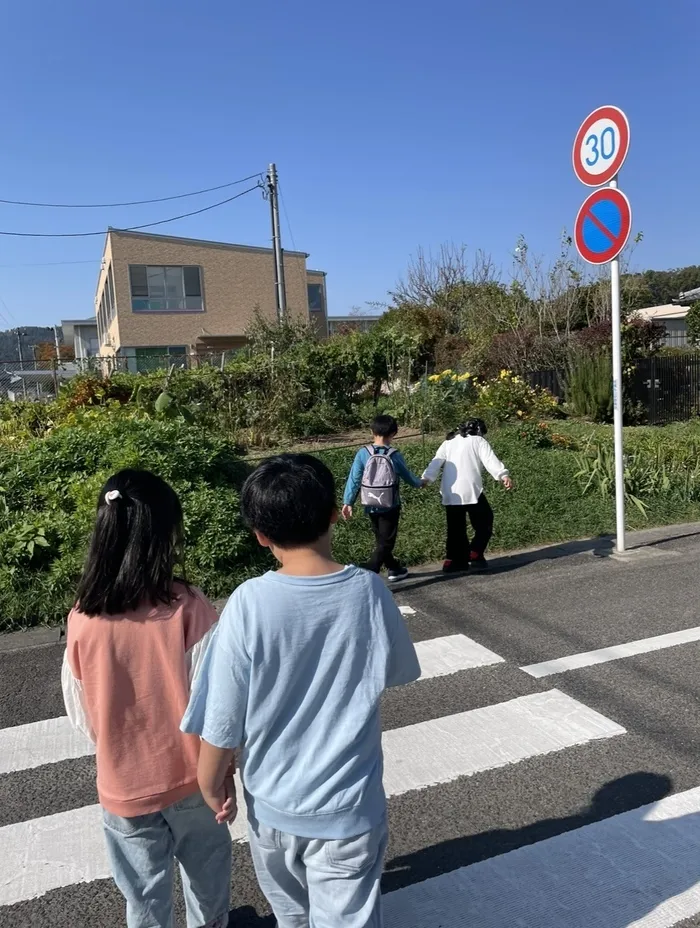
(385, 526)
(481, 517)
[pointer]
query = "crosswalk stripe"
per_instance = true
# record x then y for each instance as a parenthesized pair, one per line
(67, 848)
(614, 653)
(636, 869)
(37, 743)
(440, 656)
(53, 740)
(444, 749)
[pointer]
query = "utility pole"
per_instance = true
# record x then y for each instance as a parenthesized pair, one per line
(57, 362)
(280, 288)
(19, 349)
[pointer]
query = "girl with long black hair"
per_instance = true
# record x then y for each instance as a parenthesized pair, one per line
(135, 640)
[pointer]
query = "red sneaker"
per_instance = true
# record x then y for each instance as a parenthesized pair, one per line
(453, 567)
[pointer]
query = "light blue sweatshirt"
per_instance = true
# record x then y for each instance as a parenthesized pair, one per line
(293, 675)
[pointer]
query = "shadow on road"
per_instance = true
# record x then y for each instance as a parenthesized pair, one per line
(645, 864)
(601, 547)
(625, 794)
(621, 795)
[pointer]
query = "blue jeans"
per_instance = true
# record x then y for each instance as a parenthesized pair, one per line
(313, 883)
(143, 849)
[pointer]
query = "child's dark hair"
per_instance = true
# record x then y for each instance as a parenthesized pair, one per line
(385, 426)
(135, 545)
(290, 499)
(470, 427)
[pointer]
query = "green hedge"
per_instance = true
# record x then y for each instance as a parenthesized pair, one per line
(49, 487)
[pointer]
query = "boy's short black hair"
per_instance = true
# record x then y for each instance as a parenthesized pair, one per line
(385, 426)
(289, 499)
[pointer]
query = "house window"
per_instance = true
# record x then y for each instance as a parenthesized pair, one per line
(316, 302)
(159, 357)
(156, 289)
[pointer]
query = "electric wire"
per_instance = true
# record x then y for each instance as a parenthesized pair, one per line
(144, 225)
(179, 196)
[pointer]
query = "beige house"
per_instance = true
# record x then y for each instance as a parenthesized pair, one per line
(672, 317)
(161, 295)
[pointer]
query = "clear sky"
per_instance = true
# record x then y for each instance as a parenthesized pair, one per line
(393, 124)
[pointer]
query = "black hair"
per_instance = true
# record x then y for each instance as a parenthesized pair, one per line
(385, 426)
(289, 499)
(470, 427)
(135, 545)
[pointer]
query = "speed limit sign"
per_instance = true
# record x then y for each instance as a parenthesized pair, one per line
(601, 146)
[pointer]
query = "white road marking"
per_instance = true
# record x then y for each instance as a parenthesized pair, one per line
(440, 656)
(635, 870)
(53, 740)
(443, 749)
(47, 742)
(614, 653)
(406, 610)
(66, 848)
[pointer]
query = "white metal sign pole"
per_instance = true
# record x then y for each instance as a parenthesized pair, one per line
(617, 399)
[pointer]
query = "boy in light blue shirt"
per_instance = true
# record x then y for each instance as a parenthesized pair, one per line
(294, 676)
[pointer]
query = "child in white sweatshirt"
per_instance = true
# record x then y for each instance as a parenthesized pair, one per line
(463, 456)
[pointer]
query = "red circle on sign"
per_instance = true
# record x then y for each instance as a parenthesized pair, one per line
(615, 115)
(618, 239)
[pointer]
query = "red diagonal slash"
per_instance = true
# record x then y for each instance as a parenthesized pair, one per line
(599, 225)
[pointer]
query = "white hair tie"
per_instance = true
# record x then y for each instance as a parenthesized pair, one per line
(111, 495)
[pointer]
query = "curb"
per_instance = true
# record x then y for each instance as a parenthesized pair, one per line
(638, 541)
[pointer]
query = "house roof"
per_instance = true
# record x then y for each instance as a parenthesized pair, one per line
(206, 243)
(668, 311)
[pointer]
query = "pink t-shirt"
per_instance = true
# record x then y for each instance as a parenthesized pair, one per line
(134, 672)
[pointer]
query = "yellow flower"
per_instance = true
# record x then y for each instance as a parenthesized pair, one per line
(434, 378)
(505, 374)
(447, 372)
(520, 412)
(464, 377)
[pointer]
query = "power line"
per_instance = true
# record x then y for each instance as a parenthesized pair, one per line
(179, 196)
(145, 225)
(291, 235)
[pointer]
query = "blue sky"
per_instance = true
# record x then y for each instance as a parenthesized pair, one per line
(394, 125)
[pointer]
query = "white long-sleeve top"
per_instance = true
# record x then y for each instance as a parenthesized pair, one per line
(463, 460)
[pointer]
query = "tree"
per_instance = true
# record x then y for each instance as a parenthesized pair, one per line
(46, 351)
(692, 321)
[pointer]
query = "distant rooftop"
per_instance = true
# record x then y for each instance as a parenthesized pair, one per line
(668, 311)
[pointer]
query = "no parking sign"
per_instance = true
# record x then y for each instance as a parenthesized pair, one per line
(603, 225)
(601, 231)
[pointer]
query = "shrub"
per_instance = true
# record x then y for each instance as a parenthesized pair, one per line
(589, 387)
(509, 398)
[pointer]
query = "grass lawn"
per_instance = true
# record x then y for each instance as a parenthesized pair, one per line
(546, 506)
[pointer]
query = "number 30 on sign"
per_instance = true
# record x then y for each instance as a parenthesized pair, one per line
(601, 146)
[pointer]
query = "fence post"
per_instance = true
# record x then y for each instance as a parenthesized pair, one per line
(54, 365)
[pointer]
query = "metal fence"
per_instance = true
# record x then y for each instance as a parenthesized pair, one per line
(550, 380)
(668, 388)
(39, 381)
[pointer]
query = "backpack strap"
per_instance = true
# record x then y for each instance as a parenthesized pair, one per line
(390, 452)
(371, 450)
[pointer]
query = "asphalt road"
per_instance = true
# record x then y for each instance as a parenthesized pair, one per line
(531, 608)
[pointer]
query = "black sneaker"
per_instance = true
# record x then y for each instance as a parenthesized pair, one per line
(399, 574)
(454, 567)
(479, 563)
